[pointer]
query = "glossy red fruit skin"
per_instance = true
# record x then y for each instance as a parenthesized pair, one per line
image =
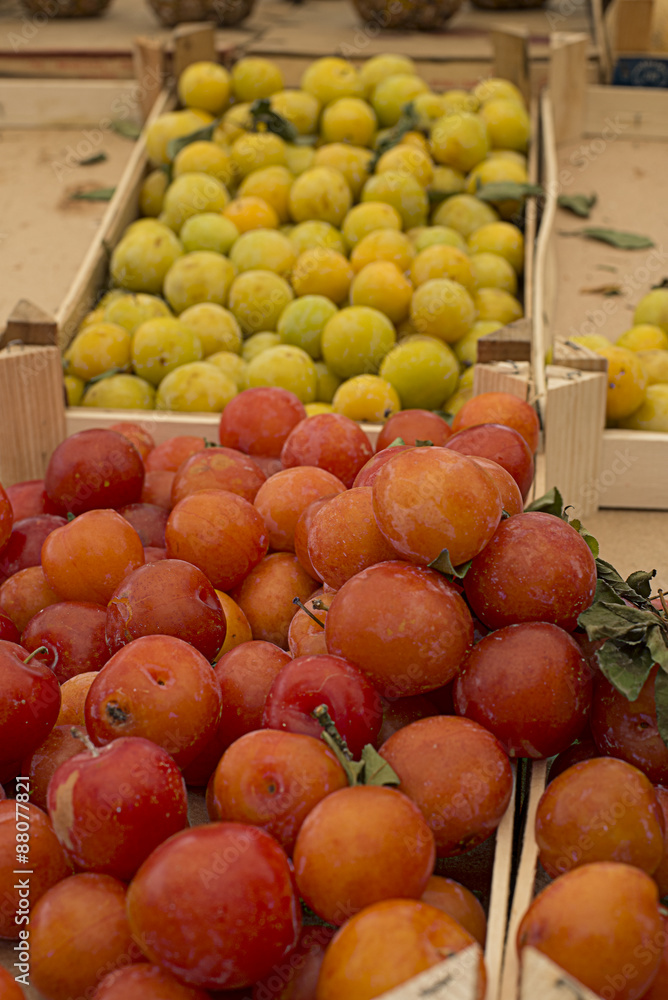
(330, 441)
(503, 445)
(536, 568)
(511, 411)
(224, 879)
(369, 471)
(6, 518)
(529, 685)
(218, 469)
(309, 681)
(112, 808)
(628, 729)
(29, 705)
(144, 981)
(8, 630)
(243, 423)
(29, 499)
(94, 469)
(74, 635)
(24, 547)
(148, 520)
(190, 609)
(412, 426)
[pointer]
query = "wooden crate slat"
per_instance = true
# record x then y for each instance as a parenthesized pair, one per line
(65, 103)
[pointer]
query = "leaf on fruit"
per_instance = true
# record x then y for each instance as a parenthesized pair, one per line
(444, 415)
(656, 644)
(205, 133)
(376, 769)
(508, 191)
(103, 375)
(443, 564)
(640, 582)
(397, 441)
(579, 204)
(614, 237)
(661, 698)
(626, 672)
(408, 122)
(262, 114)
(128, 129)
(423, 444)
(662, 284)
(586, 535)
(550, 503)
(99, 194)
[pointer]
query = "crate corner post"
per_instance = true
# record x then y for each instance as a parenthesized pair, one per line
(32, 395)
(192, 42)
(510, 58)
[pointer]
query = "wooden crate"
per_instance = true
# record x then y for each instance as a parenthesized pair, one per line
(612, 141)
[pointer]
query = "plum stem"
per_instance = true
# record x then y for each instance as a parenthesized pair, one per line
(321, 714)
(295, 600)
(40, 649)
(663, 601)
(86, 740)
(319, 604)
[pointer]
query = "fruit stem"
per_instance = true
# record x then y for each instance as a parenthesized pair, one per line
(321, 713)
(295, 600)
(319, 605)
(78, 734)
(40, 649)
(663, 602)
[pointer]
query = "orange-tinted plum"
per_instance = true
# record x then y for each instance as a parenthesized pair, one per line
(500, 408)
(628, 729)
(79, 933)
(459, 903)
(34, 838)
(297, 980)
(144, 981)
(40, 765)
(157, 488)
(266, 596)
(529, 685)
(30, 703)
(29, 499)
(258, 420)
(359, 846)
(583, 749)
(659, 988)
(9, 987)
(24, 594)
(73, 634)
(536, 568)
(511, 498)
(309, 681)
(599, 810)
(273, 780)
(401, 712)
(302, 528)
(430, 499)
(596, 922)
(73, 694)
(152, 554)
(200, 905)
(660, 874)
(169, 597)
(463, 802)
(503, 445)
(344, 538)
(406, 627)
(369, 471)
(305, 638)
(283, 498)
(148, 520)
(220, 533)
(136, 435)
(158, 687)
(169, 455)
(386, 945)
(238, 629)
(110, 808)
(24, 546)
(94, 469)
(88, 558)
(218, 469)
(413, 426)
(330, 441)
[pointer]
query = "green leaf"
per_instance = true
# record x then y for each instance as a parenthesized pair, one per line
(99, 194)
(205, 133)
(640, 582)
(128, 129)
(444, 415)
(620, 586)
(262, 114)
(435, 197)
(376, 769)
(550, 503)
(579, 204)
(586, 535)
(408, 122)
(423, 444)
(103, 375)
(95, 158)
(618, 238)
(508, 191)
(656, 644)
(443, 564)
(625, 672)
(353, 768)
(661, 698)
(396, 443)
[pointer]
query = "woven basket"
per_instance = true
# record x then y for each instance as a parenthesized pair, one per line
(222, 12)
(66, 8)
(422, 15)
(507, 4)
